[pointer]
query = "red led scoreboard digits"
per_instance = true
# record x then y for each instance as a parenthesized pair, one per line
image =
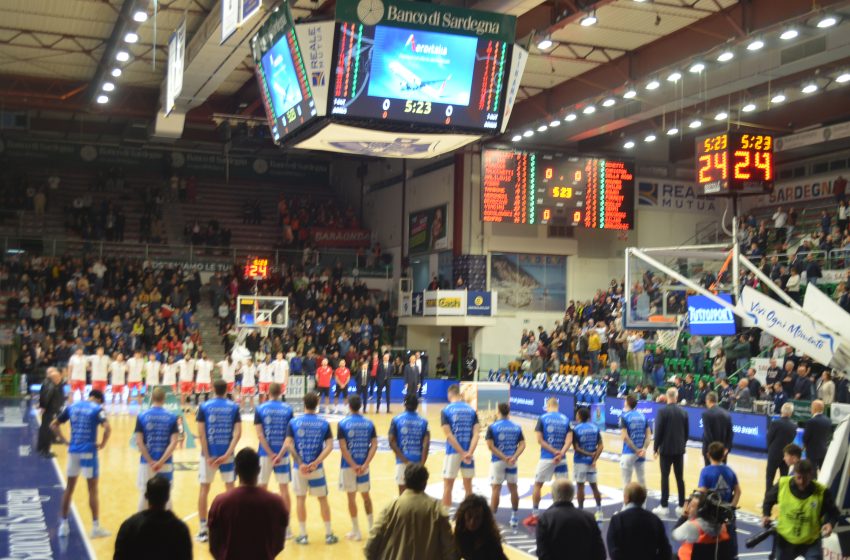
(735, 162)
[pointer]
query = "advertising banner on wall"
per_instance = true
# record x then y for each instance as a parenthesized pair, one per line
(481, 303)
(316, 41)
(672, 194)
(529, 282)
(793, 191)
(706, 318)
(331, 237)
(427, 230)
(445, 302)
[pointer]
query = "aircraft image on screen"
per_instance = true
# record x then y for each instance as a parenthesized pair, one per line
(411, 82)
(280, 74)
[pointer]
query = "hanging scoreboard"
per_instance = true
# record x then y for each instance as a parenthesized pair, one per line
(735, 163)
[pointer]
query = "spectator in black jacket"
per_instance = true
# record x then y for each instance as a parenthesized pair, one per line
(566, 532)
(716, 426)
(155, 532)
(634, 533)
(382, 380)
(780, 433)
(51, 399)
(817, 434)
(803, 385)
(671, 436)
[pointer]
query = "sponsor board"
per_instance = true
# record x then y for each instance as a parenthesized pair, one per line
(329, 237)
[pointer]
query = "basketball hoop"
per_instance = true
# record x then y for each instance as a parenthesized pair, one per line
(264, 327)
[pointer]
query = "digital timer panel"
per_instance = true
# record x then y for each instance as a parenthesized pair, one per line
(256, 269)
(735, 162)
(544, 188)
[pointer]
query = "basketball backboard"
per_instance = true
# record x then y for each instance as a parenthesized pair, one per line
(262, 312)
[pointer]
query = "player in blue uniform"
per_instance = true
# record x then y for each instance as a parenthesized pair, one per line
(219, 429)
(309, 440)
(506, 443)
(156, 439)
(555, 438)
(271, 420)
(460, 424)
(587, 442)
(358, 443)
(637, 437)
(409, 438)
(85, 417)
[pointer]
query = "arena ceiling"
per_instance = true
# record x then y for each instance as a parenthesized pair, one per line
(53, 51)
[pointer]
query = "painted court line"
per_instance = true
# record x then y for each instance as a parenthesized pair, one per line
(74, 513)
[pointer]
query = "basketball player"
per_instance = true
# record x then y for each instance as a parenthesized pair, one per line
(637, 437)
(78, 364)
(85, 417)
(280, 373)
(271, 421)
(118, 377)
(587, 443)
(153, 368)
(228, 372)
(203, 382)
(186, 376)
(506, 443)
(264, 373)
(358, 443)
(554, 436)
(324, 373)
(249, 383)
(156, 439)
(169, 374)
(342, 375)
(99, 370)
(409, 438)
(309, 439)
(219, 429)
(460, 424)
(135, 366)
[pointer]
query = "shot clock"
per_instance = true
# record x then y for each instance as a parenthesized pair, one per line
(735, 163)
(256, 268)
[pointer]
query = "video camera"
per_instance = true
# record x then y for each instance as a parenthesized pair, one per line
(714, 510)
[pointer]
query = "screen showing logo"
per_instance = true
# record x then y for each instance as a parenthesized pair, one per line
(707, 318)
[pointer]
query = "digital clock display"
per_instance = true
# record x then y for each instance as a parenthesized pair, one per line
(735, 162)
(256, 269)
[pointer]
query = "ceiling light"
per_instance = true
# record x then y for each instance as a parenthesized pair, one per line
(654, 84)
(749, 107)
(721, 116)
(674, 77)
(555, 123)
(140, 16)
(589, 19)
(755, 45)
(827, 21)
(589, 110)
(778, 98)
(696, 123)
(108, 86)
(725, 56)
(516, 138)
(116, 72)
(629, 144)
(544, 43)
(673, 131)
(649, 138)
(843, 78)
(696, 68)
(630, 93)
(528, 133)
(131, 37)
(122, 56)
(542, 128)
(609, 102)
(570, 118)
(810, 88)
(102, 99)
(789, 34)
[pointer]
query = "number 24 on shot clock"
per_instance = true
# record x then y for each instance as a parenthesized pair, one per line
(256, 269)
(735, 162)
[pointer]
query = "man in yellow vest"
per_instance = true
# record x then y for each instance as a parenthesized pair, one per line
(807, 512)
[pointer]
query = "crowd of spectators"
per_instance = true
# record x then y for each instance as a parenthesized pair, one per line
(212, 234)
(298, 214)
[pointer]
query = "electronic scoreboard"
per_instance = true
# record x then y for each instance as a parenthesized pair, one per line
(735, 163)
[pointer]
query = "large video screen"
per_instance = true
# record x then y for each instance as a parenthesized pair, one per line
(403, 75)
(282, 78)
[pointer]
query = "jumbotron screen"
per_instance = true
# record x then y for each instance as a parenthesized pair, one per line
(405, 75)
(544, 188)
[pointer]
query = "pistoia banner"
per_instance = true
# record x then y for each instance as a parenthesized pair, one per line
(229, 18)
(176, 62)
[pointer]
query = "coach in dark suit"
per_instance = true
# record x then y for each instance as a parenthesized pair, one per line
(565, 531)
(781, 432)
(382, 380)
(817, 434)
(411, 376)
(671, 437)
(636, 534)
(716, 426)
(51, 399)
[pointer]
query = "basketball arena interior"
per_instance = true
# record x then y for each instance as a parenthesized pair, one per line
(590, 257)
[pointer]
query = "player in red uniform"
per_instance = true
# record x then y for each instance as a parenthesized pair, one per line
(342, 376)
(324, 373)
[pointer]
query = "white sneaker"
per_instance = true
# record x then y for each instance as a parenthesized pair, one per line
(64, 528)
(99, 532)
(354, 536)
(202, 536)
(679, 511)
(661, 511)
(599, 516)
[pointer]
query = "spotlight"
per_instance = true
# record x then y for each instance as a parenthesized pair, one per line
(721, 116)
(696, 123)
(131, 37)
(789, 34)
(674, 77)
(140, 16)
(555, 123)
(589, 19)
(696, 67)
(609, 102)
(749, 107)
(630, 93)
(778, 98)
(116, 72)
(516, 138)
(755, 45)
(102, 99)
(589, 110)
(544, 43)
(528, 133)
(629, 144)
(122, 56)
(827, 21)
(810, 88)
(542, 128)
(843, 78)
(649, 137)
(725, 56)
(570, 118)
(654, 84)
(108, 86)
(672, 131)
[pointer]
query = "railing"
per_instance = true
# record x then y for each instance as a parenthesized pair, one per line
(205, 257)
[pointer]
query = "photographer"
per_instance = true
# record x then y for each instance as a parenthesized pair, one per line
(703, 530)
(807, 512)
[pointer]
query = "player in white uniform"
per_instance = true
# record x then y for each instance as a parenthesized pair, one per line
(203, 382)
(169, 374)
(280, 373)
(118, 371)
(228, 373)
(153, 368)
(99, 370)
(249, 382)
(264, 372)
(135, 365)
(186, 373)
(78, 364)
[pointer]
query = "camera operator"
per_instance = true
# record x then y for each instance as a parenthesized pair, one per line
(807, 512)
(703, 529)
